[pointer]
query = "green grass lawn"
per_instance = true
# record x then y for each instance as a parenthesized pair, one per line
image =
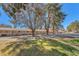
(74, 41)
(40, 48)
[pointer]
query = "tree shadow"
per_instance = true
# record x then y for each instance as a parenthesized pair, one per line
(7, 47)
(36, 51)
(64, 46)
(39, 50)
(10, 48)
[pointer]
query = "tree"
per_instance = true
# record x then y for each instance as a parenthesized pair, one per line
(14, 23)
(57, 23)
(35, 16)
(48, 14)
(54, 17)
(11, 10)
(74, 26)
(28, 14)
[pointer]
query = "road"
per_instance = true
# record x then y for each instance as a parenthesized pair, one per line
(75, 35)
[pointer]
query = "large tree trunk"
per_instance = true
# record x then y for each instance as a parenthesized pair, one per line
(33, 33)
(56, 31)
(53, 30)
(47, 31)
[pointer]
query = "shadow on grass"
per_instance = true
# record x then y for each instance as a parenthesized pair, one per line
(64, 46)
(7, 47)
(10, 48)
(39, 50)
(35, 51)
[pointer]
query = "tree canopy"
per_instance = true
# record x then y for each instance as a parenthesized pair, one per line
(36, 15)
(74, 26)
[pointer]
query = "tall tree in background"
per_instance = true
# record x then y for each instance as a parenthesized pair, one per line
(73, 27)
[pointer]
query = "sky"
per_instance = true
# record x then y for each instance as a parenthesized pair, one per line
(70, 9)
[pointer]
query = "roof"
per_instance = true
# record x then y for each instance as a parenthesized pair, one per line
(4, 26)
(10, 29)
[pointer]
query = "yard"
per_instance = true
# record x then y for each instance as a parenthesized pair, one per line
(39, 47)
